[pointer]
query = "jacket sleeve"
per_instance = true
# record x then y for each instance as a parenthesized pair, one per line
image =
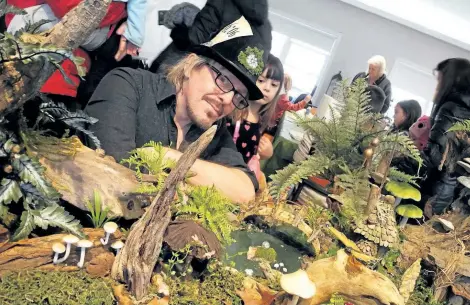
(388, 96)
(136, 15)
(286, 105)
(114, 103)
(437, 137)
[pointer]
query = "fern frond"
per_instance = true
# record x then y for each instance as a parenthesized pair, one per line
(294, 173)
(26, 226)
(10, 191)
(400, 143)
(399, 176)
(148, 188)
(460, 126)
(56, 216)
(10, 9)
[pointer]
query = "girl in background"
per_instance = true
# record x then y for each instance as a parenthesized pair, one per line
(247, 125)
(406, 114)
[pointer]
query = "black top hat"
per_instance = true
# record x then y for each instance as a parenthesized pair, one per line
(243, 49)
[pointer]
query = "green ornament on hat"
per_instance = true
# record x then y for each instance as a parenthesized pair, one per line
(252, 60)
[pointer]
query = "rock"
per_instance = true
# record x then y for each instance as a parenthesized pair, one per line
(77, 178)
(461, 287)
(456, 300)
(101, 264)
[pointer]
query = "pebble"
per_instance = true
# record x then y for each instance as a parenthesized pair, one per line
(266, 244)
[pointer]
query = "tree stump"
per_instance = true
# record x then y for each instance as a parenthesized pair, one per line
(36, 253)
(136, 261)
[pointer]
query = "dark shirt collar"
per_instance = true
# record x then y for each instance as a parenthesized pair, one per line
(165, 90)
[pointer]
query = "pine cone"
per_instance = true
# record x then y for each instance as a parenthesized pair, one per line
(367, 247)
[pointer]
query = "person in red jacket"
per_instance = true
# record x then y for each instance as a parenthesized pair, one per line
(284, 104)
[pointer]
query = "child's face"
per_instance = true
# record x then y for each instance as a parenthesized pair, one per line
(399, 116)
(269, 88)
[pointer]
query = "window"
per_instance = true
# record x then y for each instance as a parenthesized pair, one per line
(303, 50)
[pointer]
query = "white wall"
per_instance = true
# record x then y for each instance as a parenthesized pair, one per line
(365, 34)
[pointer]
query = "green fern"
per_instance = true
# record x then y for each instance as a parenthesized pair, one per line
(57, 216)
(26, 226)
(294, 173)
(399, 176)
(98, 215)
(207, 206)
(400, 143)
(10, 192)
(460, 126)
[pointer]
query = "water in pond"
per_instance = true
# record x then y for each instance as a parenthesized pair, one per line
(286, 254)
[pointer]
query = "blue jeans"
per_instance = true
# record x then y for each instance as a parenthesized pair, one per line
(443, 189)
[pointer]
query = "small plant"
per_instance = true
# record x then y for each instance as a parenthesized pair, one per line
(207, 206)
(267, 254)
(423, 294)
(99, 216)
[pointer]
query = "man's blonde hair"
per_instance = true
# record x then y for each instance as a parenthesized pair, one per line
(179, 72)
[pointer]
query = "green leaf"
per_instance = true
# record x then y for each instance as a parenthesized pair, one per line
(10, 191)
(26, 226)
(30, 170)
(57, 216)
(460, 126)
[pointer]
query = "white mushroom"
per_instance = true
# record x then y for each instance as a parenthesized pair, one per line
(249, 272)
(276, 266)
(83, 244)
(117, 245)
(109, 227)
(281, 264)
(68, 240)
(284, 270)
(298, 285)
(266, 244)
(447, 225)
(58, 248)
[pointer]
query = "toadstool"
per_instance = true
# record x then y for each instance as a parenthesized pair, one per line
(465, 165)
(109, 227)
(58, 248)
(83, 244)
(117, 245)
(408, 211)
(447, 225)
(402, 190)
(68, 240)
(299, 285)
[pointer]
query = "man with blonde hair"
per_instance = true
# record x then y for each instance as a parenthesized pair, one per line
(137, 106)
(378, 82)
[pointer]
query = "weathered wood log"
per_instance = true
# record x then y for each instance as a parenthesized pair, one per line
(76, 179)
(36, 253)
(135, 262)
(343, 275)
(69, 34)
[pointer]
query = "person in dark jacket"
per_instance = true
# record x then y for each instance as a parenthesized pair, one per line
(376, 77)
(213, 17)
(451, 104)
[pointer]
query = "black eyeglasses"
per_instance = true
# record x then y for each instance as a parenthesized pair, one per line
(224, 84)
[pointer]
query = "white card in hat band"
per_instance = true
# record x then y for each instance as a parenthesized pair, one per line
(239, 28)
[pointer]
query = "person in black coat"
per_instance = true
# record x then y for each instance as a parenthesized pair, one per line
(213, 17)
(451, 105)
(376, 77)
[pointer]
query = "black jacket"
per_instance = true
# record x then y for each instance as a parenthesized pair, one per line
(212, 18)
(383, 83)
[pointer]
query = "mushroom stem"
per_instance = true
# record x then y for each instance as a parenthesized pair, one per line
(66, 255)
(82, 258)
(403, 222)
(105, 241)
(294, 300)
(56, 256)
(397, 202)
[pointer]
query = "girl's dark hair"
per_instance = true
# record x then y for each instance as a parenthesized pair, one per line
(454, 78)
(412, 110)
(274, 70)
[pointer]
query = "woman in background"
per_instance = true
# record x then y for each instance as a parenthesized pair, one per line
(406, 114)
(451, 105)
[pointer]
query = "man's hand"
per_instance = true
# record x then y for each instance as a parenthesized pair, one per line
(265, 149)
(125, 47)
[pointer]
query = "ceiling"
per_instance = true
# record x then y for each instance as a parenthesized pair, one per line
(448, 20)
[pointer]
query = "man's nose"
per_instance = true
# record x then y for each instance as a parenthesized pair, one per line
(226, 98)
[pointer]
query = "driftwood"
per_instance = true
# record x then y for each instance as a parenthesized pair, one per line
(135, 262)
(20, 82)
(76, 179)
(344, 275)
(36, 253)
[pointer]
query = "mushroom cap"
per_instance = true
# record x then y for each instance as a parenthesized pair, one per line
(403, 190)
(298, 283)
(449, 226)
(58, 248)
(409, 210)
(180, 233)
(465, 165)
(70, 239)
(110, 227)
(465, 181)
(117, 244)
(84, 243)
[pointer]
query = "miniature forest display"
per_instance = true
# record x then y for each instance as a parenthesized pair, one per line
(78, 228)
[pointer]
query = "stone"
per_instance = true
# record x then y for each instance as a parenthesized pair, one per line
(456, 300)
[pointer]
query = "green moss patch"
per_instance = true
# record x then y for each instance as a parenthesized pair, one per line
(54, 288)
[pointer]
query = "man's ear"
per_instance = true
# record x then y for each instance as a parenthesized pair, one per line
(189, 65)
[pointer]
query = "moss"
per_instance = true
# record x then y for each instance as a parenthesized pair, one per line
(268, 254)
(423, 294)
(54, 288)
(217, 288)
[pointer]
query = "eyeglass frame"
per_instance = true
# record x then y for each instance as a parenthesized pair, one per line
(236, 93)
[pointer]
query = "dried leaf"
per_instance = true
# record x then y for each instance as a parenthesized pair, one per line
(408, 281)
(257, 295)
(163, 301)
(122, 295)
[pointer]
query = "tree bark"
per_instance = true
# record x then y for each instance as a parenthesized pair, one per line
(135, 262)
(374, 195)
(20, 82)
(36, 253)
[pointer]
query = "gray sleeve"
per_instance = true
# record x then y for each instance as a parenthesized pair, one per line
(114, 103)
